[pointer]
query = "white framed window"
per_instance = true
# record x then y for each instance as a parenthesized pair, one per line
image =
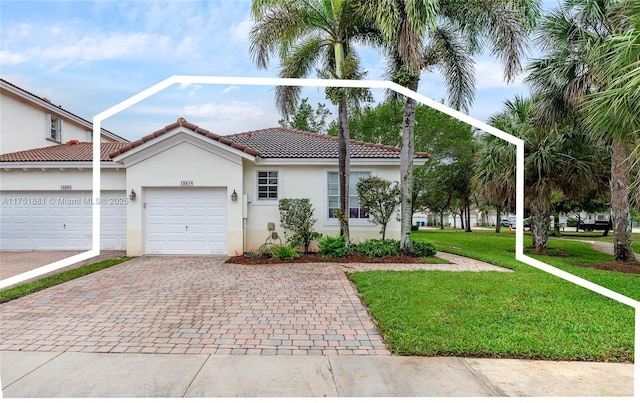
(333, 193)
(54, 128)
(268, 185)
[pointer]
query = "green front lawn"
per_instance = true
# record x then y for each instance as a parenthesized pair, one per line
(524, 314)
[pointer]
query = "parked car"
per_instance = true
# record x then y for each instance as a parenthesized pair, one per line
(508, 222)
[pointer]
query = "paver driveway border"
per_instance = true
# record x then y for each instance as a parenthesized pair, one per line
(187, 304)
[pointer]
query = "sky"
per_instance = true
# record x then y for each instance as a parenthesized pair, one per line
(87, 56)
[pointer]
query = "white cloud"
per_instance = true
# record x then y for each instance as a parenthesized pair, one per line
(240, 31)
(230, 88)
(6, 57)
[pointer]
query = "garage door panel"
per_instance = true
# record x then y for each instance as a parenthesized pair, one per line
(60, 220)
(185, 221)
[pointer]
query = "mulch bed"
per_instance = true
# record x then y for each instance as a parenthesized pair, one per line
(619, 267)
(318, 258)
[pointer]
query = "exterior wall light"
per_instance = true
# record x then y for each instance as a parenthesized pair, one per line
(234, 196)
(132, 195)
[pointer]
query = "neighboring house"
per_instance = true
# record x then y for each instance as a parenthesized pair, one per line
(184, 190)
(28, 121)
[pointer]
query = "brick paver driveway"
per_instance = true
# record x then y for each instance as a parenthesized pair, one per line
(195, 305)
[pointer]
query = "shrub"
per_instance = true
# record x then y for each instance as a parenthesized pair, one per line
(265, 250)
(380, 198)
(379, 248)
(423, 249)
(333, 246)
(285, 252)
(296, 215)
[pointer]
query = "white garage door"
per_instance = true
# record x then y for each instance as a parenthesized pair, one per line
(185, 221)
(60, 220)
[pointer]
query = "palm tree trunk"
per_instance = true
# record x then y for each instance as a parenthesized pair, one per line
(540, 210)
(406, 170)
(498, 219)
(344, 154)
(343, 168)
(620, 214)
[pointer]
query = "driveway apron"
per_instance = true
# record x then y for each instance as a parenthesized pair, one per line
(196, 305)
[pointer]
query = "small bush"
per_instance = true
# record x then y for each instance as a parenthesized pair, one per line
(296, 216)
(285, 252)
(423, 249)
(333, 246)
(266, 250)
(379, 248)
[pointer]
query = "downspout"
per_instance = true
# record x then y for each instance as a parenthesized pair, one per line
(245, 209)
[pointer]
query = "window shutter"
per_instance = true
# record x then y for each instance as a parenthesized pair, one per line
(47, 125)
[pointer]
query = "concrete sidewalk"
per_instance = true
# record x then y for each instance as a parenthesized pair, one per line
(70, 374)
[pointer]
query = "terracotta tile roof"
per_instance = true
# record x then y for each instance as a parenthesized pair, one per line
(268, 143)
(71, 151)
(182, 122)
(289, 143)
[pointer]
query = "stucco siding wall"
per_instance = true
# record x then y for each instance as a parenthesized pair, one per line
(52, 179)
(307, 182)
(24, 126)
(185, 162)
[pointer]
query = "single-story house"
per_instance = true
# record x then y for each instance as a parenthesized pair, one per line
(183, 190)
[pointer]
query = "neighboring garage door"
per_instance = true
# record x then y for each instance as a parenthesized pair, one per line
(185, 221)
(60, 220)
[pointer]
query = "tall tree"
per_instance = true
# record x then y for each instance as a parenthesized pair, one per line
(555, 158)
(612, 112)
(445, 35)
(305, 118)
(305, 34)
(567, 72)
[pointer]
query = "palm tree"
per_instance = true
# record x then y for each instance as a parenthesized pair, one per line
(554, 160)
(613, 113)
(494, 171)
(305, 34)
(445, 34)
(568, 72)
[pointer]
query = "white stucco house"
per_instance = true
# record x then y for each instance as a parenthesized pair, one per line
(29, 121)
(179, 190)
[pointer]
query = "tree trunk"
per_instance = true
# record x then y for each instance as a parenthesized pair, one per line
(540, 210)
(343, 168)
(620, 215)
(406, 170)
(498, 219)
(468, 213)
(442, 220)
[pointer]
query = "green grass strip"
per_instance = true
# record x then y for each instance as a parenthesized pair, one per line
(37, 285)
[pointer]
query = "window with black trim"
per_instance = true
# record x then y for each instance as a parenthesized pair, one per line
(267, 185)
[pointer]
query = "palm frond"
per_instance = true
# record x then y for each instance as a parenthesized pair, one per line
(449, 53)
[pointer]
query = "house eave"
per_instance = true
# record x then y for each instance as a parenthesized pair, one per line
(56, 110)
(24, 165)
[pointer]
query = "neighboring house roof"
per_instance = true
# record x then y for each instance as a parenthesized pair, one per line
(70, 151)
(50, 107)
(267, 143)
